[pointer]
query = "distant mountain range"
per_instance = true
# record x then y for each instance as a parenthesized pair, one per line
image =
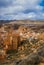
(22, 21)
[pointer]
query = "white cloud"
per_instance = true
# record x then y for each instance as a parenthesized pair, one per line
(17, 8)
(22, 16)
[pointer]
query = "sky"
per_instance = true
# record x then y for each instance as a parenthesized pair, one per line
(21, 9)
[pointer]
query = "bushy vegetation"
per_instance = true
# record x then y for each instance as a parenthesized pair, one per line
(11, 51)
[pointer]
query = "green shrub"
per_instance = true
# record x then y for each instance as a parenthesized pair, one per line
(11, 51)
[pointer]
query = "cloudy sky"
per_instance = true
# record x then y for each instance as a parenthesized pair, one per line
(21, 9)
